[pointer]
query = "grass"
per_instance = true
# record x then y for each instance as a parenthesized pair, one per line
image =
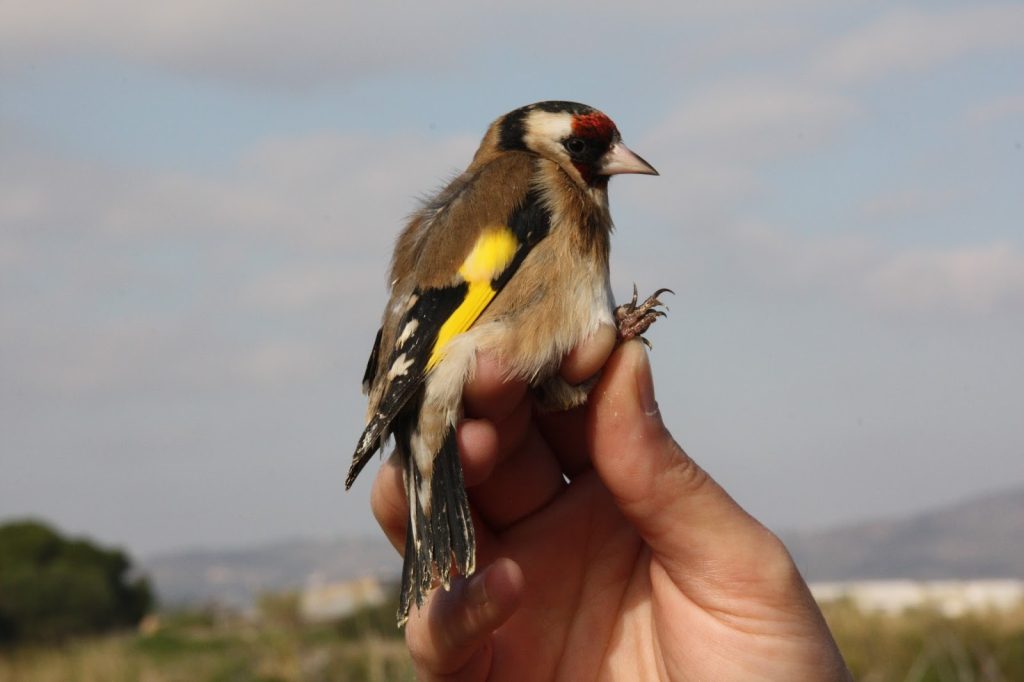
(224, 652)
(923, 645)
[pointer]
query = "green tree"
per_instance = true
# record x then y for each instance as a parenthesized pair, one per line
(52, 587)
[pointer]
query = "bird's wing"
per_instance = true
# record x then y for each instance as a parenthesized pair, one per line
(437, 314)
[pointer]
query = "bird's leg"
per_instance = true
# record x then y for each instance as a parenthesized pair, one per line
(633, 320)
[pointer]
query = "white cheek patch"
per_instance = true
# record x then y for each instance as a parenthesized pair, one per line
(544, 129)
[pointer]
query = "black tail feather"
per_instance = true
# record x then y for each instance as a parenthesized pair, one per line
(432, 539)
(460, 521)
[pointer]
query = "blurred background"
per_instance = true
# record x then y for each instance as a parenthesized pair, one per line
(198, 202)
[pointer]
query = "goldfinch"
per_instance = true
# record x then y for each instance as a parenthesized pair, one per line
(510, 258)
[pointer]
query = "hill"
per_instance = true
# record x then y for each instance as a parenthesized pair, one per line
(978, 538)
(236, 577)
(981, 537)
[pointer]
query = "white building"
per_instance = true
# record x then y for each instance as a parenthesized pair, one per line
(950, 597)
(323, 601)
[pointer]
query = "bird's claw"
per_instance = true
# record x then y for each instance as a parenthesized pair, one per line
(633, 320)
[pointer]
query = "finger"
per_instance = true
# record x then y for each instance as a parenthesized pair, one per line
(484, 443)
(565, 435)
(490, 394)
(510, 471)
(564, 430)
(389, 506)
(520, 485)
(479, 447)
(482, 446)
(587, 359)
(449, 638)
(689, 521)
(388, 503)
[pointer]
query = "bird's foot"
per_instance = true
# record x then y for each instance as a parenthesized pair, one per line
(633, 320)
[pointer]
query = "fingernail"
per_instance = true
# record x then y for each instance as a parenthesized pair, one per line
(476, 592)
(645, 383)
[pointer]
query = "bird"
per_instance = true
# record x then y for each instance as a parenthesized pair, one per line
(510, 258)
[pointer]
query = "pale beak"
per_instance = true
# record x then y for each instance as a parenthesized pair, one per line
(619, 159)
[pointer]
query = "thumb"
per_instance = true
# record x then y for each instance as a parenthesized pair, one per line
(690, 523)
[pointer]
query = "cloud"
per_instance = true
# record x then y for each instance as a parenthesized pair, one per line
(296, 231)
(904, 41)
(858, 271)
(996, 110)
(718, 146)
(751, 120)
(305, 42)
(274, 362)
(781, 261)
(130, 283)
(974, 280)
(727, 141)
(287, 44)
(320, 188)
(911, 202)
(311, 285)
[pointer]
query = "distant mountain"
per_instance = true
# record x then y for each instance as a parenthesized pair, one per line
(979, 538)
(235, 578)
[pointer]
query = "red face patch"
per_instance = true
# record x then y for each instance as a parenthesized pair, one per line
(593, 126)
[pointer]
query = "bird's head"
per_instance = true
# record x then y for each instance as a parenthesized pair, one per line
(575, 136)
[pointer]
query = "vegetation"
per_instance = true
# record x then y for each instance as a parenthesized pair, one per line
(917, 646)
(923, 645)
(207, 645)
(53, 587)
(55, 592)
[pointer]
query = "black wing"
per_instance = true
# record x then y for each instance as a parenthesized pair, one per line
(406, 367)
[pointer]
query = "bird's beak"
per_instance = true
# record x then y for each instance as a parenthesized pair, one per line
(620, 159)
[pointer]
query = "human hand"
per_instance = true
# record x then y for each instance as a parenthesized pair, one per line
(641, 567)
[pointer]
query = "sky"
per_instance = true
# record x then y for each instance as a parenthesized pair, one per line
(198, 202)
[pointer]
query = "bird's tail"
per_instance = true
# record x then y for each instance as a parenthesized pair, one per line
(436, 531)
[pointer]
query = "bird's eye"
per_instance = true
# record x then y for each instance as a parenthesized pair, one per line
(575, 145)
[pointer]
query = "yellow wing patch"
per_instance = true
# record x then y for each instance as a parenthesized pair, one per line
(477, 298)
(494, 250)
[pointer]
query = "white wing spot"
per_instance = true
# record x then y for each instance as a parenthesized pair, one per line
(407, 332)
(399, 367)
